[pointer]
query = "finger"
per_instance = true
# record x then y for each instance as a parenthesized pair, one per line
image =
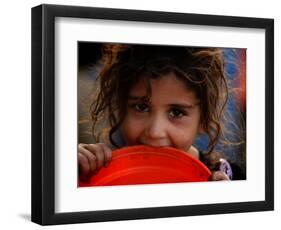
(219, 175)
(83, 163)
(92, 159)
(223, 176)
(107, 154)
(82, 145)
(98, 151)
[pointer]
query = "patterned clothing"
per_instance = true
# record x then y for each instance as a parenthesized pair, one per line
(215, 162)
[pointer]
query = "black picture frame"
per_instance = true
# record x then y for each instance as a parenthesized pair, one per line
(43, 110)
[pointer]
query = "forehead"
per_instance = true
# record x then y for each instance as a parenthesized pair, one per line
(167, 88)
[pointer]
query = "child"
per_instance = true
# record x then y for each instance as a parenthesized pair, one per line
(159, 96)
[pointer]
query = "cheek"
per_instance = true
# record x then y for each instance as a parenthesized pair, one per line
(131, 130)
(184, 135)
(182, 140)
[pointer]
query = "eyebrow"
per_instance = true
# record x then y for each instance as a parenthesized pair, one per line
(177, 105)
(184, 106)
(137, 98)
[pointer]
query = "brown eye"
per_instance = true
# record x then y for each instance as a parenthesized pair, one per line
(141, 107)
(176, 113)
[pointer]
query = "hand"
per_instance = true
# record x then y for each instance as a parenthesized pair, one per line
(219, 175)
(91, 158)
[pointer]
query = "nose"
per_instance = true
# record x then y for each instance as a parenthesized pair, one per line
(156, 132)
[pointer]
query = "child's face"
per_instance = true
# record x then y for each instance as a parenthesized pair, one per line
(170, 118)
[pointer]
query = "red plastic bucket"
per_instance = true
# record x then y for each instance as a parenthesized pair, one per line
(149, 165)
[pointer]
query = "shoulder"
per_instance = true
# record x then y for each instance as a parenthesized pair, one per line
(194, 152)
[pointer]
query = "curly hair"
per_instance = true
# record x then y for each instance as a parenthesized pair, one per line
(200, 69)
